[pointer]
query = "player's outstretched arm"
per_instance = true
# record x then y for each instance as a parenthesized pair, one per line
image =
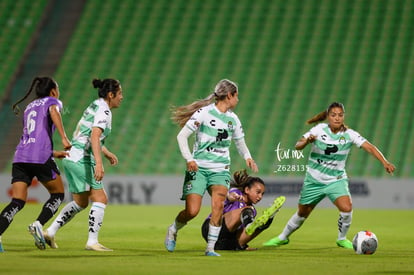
(373, 150)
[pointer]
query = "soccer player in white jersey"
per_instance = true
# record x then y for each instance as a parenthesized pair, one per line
(326, 175)
(84, 167)
(208, 168)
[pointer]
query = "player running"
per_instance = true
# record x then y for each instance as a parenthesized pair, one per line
(326, 176)
(208, 167)
(34, 156)
(84, 167)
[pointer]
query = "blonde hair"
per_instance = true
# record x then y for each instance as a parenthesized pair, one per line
(182, 114)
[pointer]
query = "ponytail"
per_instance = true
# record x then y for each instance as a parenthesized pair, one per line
(180, 115)
(318, 118)
(241, 180)
(15, 107)
(106, 86)
(323, 115)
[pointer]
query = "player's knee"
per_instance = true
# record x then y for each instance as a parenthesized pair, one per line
(304, 212)
(218, 202)
(81, 203)
(247, 216)
(191, 213)
(345, 208)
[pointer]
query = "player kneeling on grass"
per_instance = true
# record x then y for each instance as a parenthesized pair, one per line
(239, 225)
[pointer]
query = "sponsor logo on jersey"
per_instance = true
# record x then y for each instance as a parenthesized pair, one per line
(222, 134)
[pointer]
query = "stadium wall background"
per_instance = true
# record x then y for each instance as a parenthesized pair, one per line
(166, 190)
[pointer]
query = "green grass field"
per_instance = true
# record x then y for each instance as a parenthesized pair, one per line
(136, 233)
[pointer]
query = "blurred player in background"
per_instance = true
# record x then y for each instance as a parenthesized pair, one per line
(208, 168)
(326, 175)
(84, 167)
(239, 225)
(34, 156)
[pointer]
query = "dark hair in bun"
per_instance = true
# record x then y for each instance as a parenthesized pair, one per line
(105, 86)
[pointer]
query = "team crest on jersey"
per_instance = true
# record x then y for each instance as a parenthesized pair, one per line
(230, 126)
(342, 140)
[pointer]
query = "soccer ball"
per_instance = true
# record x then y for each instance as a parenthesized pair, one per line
(365, 242)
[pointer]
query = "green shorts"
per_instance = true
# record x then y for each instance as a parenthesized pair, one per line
(200, 181)
(80, 176)
(313, 191)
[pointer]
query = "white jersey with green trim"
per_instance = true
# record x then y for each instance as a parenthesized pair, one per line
(214, 132)
(329, 152)
(97, 114)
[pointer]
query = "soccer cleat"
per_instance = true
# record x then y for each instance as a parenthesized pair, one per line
(97, 247)
(345, 244)
(36, 230)
(50, 240)
(276, 242)
(211, 253)
(267, 214)
(1, 246)
(170, 239)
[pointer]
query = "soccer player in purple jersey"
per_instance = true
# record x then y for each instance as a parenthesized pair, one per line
(34, 156)
(239, 213)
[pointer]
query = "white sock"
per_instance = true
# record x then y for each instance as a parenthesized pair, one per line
(174, 227)
(96, 215)
(292, 225)
(212, 237)
(177, 226)
(64, 216)
(344, 222)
